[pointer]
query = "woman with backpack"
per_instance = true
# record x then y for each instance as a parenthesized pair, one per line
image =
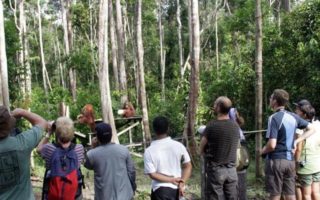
(63, 179)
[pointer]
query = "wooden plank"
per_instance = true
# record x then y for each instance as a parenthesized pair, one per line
(80, 134)
(126, 129)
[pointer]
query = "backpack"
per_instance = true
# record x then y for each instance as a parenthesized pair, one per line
(64, 179)
(243, 158)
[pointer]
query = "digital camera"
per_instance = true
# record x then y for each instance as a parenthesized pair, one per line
(302, 163)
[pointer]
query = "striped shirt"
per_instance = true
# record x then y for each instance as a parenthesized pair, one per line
(49, 148)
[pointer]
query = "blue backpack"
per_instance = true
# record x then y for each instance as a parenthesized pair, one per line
(64, 179)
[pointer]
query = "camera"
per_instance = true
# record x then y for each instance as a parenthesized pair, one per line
(302, 163)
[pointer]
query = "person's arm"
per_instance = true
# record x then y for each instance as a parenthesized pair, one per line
(131, 172)
(307, 133)
(269, 147)
(203, 144)
(186, 173)
(34, 119)
(45, 139)
(87, 163)
(165, 179)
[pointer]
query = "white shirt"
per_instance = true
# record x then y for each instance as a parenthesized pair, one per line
(165, 156)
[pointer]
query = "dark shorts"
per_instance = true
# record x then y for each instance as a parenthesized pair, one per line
(280, 177)
(221, 183)
(165, 193)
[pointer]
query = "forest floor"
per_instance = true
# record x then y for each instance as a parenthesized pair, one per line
(255, 189)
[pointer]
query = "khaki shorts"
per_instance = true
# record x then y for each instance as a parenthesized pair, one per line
(280, 177)
(307, 179)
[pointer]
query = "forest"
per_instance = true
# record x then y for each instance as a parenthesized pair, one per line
(167, 57)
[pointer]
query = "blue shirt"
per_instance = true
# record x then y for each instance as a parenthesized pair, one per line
(282, 126)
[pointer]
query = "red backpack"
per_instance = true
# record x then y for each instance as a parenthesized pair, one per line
(63, 179)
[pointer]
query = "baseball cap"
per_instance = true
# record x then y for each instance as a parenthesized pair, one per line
(103, 129)
(302, 102)
(7, 122)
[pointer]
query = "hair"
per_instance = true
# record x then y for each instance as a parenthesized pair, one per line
(105, 137)
(281, 96)
(160, 125)
(309, 111)
(224, 104)
(64, 129)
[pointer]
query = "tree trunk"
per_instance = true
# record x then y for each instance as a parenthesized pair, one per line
(3, 63)
(113, 41)
(217, 38)
(194, 77)
(26, 75)
(104, 84)
(140, 54)
(68, 42)
(121, 52)
(162, 54)
(181, 57)
(45, 77)
(259, 86)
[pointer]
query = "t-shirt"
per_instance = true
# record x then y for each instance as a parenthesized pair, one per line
(311, 152)
(282, 126)
(113, 169)
(15, 164)
(165, 156)
(48, 150)
(223, 140)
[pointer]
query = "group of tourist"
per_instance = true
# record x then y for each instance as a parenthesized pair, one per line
(292, 153)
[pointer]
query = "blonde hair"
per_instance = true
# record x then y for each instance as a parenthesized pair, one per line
(64, 129)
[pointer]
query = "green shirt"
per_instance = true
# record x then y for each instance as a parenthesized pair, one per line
(15, 164)
(311, 152)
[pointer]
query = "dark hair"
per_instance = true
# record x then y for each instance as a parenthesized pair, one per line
(281, 96)
(160, 125)
(104, 133)
(309, 111)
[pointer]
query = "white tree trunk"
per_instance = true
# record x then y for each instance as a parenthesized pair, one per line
(140, 54)
(45, 77)
(3, 63)
(104, 84)
(162, 52)
(113, 41)
(121, 52)
(181, 56)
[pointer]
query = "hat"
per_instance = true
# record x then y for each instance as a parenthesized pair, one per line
(302, 102)
(7, 122)
(103, 128)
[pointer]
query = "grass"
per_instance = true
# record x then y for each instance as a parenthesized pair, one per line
(255, 188)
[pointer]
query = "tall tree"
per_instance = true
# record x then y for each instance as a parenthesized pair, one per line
(4, 99)
(140, 55)
(113, 41)
(104, 83)
(181, 57)
(194, 33)
(23, 54)
(68, 42)
(162, 51)
(259, 86)
(45, 77)
(121, 53)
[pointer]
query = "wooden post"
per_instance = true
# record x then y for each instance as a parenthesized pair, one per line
(143, 137)
(130, 136)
